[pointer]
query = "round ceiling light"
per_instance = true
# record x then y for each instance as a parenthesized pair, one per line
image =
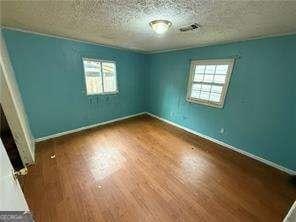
(160, 26)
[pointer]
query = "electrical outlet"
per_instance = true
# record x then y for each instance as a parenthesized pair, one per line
(222, 130)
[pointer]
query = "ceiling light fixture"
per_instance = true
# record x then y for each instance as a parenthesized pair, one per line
(160, 26)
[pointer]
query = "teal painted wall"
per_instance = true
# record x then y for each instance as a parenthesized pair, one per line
(50, 76)
(259, 115)
(259, 111)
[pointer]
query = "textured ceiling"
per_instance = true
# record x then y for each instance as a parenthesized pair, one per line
(125, 23)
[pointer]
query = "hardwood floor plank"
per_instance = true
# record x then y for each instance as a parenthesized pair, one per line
(142, 169)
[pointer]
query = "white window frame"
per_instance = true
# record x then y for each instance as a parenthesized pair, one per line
(193, 64)
(101, 61)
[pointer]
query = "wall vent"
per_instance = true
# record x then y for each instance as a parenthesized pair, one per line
(192, 27)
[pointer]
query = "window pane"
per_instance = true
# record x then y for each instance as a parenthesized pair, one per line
(200, 69)
(208, 78)
(92, 68)
(93, 84)
(204, 95)
(219, 78)
(215, 97)
(93, 78)
(216, 89)
(195, 94)
(206, 87)
(198, 77)
(109, 76)
(196, 86)
(210, 69)
(221, 69)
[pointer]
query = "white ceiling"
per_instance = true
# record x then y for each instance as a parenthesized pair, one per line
(125, 23)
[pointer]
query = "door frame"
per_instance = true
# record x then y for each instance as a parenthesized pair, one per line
(13, 108)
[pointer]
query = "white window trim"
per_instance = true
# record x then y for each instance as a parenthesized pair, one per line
(220, 104)
(102, 93)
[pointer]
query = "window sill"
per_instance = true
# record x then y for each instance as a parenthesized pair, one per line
(203, 102)
(104, 94)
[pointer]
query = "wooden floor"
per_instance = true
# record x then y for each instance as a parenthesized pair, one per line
(142, 169)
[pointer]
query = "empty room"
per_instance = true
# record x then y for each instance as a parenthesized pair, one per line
(148, 110)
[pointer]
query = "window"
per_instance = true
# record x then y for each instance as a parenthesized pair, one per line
(100, 76)
(208, 81)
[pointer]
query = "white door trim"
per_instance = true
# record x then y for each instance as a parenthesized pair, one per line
(13, 107)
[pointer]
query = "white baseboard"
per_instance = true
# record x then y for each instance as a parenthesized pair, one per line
(268, 162)
(86, 127)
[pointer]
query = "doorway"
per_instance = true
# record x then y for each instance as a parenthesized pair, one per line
(9, 143)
